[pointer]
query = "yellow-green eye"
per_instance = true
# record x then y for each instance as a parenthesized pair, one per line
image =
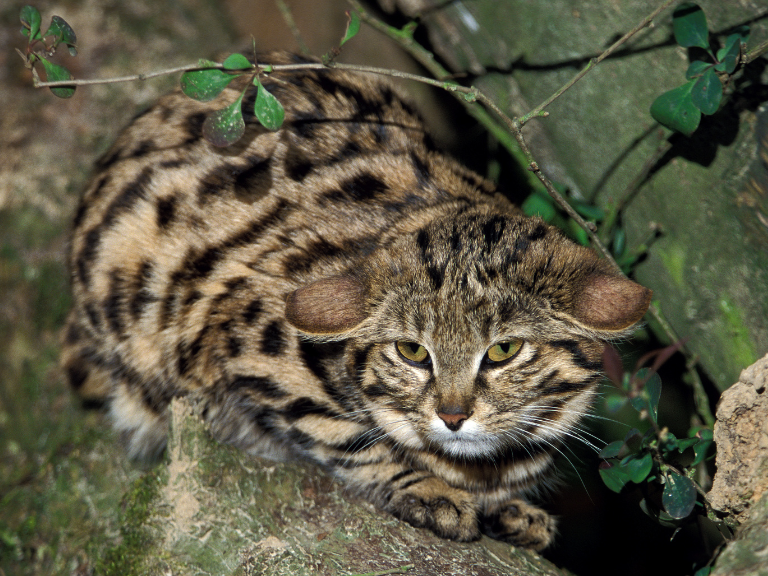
(413, 352)
(503, 350)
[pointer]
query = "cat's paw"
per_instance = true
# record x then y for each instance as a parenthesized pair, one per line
(432, 504)
(521, 524)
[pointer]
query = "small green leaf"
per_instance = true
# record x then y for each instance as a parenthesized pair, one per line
(267, 108)
(696, 69)
(653, 389)
(611, 450)
(236, 62)
(31, 20)
(675, 110)
(62, 32)
(639, 466)
(615, 402)
(205, 85)
(353, 27)
(578, 233)
(700, 449)
(588, 211)
(539, 205)
(226, 126)
(728, 55)
(619, 242)
(689, 25)
(706, 571)
(707, 92)
(685, 443)
(679, 495)
(56, 73)
(613, 476)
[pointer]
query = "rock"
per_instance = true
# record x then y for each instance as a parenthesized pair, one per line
(741, 435)
(212, 509)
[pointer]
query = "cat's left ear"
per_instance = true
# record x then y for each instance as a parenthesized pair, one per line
(327, 307)
(611, 302)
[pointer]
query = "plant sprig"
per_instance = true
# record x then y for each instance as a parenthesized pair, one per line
(680, 109)
(42, 45)
(661, 464)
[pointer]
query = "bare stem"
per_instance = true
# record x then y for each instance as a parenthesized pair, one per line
(285, 11)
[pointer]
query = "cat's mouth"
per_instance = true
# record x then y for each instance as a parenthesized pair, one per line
(470, 441)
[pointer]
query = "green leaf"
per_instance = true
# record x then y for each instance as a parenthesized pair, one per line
(700, 449)
(675, 110)
(353, 27)
(685, 443)
(653, 390)
(639, 466)
(578, 233)
(679, 495)
(31, 20)
(611, 450)
(696, 69)
(539, 205)
(689, 25)
(728, 55)
(706, 571)
(56, 73)
(62, 32)
(615, 402)
(205, 85)
(613, 476)
(236, 62)
(707, 92)
(267, 108)
(226, 126)
(619, 242)
(588, 211)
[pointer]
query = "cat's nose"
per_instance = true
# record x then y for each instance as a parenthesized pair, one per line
(453, 418)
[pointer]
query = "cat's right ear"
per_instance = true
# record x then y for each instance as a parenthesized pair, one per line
(327, 307)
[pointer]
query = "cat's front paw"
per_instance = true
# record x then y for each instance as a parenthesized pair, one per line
(431, 503)
(521, 524)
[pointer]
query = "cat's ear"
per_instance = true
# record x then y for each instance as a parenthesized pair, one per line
(327, 307)
(610, 302)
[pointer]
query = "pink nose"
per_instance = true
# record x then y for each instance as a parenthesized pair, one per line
(453, 420)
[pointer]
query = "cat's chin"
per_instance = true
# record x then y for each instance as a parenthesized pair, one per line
(470, 441)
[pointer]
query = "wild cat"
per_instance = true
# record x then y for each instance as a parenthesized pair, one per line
(342, 291)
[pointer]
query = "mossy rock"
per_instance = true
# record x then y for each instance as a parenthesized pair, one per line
(210, 509)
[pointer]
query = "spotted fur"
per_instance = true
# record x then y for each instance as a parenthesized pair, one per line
(270, 281)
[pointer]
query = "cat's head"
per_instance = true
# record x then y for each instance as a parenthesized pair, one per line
(477, 333)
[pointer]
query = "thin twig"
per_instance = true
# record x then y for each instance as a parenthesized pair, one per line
(285, 11)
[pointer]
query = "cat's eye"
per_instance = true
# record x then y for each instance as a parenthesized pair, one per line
(413, 352)
(503, 351)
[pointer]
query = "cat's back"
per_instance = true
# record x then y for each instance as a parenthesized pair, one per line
(176, 240)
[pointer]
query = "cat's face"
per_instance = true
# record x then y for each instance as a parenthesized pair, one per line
(476, 336)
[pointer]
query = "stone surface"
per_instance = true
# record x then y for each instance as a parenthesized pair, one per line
(741, 435)
(210, 509)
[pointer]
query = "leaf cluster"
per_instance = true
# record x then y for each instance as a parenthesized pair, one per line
(662, 465)
(42, 45)
(226, 126)
(680, 109)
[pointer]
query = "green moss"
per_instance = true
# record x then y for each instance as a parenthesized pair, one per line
(674, 261)
(137, 535)
(738, 339)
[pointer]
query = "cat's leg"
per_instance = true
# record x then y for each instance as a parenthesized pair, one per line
(520, 523)
(420, 498)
